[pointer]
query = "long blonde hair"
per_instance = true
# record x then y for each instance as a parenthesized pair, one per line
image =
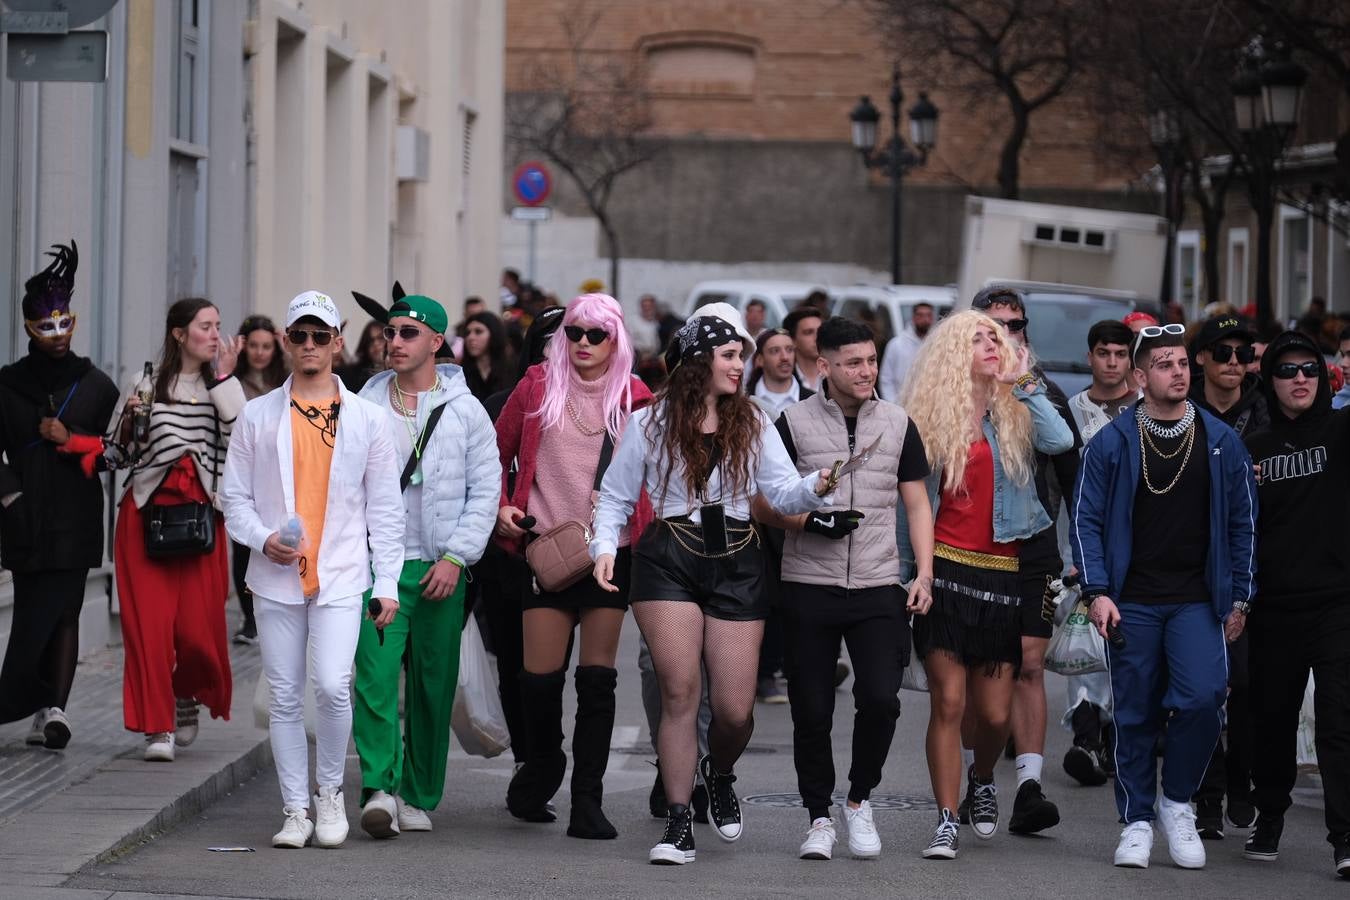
(939, 395)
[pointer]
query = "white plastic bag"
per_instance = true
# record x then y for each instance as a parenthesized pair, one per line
(1076, 648)
(478, 720)
(1307, 728)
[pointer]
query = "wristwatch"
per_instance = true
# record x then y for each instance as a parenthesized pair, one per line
(1243, 606)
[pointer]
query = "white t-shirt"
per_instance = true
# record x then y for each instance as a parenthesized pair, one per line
(773, 402)
(412, 497)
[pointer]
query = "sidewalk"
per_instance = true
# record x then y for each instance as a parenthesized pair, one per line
(61, 810)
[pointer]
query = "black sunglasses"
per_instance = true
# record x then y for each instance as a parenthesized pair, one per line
(1286, 371)
(1222, 353)
(407, 332)
(594, 336)
(298, 336)
(1016, 325)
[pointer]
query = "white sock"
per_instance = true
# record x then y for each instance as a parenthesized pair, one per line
(1028, 767)
(967, 758)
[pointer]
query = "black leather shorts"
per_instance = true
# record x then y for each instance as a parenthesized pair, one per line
(668, 566)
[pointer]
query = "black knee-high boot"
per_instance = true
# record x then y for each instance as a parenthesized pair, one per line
(545, 763)
(590, 751)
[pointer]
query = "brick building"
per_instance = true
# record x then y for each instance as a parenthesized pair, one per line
(748, 103)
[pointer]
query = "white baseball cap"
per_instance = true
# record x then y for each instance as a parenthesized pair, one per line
(313, 303)
(728, 313)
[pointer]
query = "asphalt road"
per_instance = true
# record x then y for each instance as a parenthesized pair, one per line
(478, 850)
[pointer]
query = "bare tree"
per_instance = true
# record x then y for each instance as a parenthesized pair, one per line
(585, 113)
(1029, 51)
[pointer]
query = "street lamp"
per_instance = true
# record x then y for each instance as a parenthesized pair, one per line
(1164, 133)
(895, 158)
(1282, 82)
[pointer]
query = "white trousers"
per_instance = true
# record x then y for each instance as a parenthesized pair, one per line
(294, 637)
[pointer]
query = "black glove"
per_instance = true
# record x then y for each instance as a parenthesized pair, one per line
(834, 524)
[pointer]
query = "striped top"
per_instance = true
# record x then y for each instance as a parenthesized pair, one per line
(185, 425)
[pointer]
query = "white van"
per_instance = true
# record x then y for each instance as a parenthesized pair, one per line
(889, 305)
(779, 297)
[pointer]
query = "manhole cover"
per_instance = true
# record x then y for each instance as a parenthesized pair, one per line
(878, 801)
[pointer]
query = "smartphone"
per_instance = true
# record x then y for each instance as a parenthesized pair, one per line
(714, 520)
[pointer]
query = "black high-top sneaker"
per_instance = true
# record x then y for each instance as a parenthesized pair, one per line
(723, 807)
(676, 846)
(1263, 844)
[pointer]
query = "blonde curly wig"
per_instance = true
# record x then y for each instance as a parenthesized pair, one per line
(939, 397)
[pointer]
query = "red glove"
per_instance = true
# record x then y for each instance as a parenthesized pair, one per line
(88, 446)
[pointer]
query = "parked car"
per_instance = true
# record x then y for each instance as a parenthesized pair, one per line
(887, 307)
(779, 297)
(1059, 317)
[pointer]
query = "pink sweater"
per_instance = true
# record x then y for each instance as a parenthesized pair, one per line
(565, 467)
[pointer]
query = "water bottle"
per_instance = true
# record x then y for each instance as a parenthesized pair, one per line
(140, 419)
(291, 533)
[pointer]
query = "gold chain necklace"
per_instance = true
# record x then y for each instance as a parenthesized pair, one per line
(581, 426)
(1188, 444)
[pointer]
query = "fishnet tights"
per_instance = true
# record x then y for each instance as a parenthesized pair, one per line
(683, 640)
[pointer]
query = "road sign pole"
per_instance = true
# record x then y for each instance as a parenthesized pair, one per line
(529, 269)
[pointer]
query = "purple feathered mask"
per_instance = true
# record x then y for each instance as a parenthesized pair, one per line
(46, 296)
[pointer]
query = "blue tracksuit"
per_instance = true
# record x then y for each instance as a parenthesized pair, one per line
(1175, 658)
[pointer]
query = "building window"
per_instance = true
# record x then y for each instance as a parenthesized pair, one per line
(1187, 289)
(189, 71)
(1237, 267)
(703, 64)
(1295, 270)
(466, 158)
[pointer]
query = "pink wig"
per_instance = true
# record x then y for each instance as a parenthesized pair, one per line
(590, 311)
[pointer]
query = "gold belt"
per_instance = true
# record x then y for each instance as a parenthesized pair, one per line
(975, 559)
(682, 530)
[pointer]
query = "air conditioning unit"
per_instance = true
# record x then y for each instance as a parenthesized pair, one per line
(412, 154)
(1068, 237)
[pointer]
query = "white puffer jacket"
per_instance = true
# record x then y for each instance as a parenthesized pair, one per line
(461, 476)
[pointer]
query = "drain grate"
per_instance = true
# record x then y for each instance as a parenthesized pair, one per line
(793, 800)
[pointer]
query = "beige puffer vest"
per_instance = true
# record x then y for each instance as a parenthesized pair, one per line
(867, 557)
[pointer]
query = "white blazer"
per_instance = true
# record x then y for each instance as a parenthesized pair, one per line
(363, 522)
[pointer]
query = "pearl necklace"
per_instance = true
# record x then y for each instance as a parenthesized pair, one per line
(576, 419)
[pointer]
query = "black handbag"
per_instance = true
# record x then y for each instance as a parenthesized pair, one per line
(183, 529)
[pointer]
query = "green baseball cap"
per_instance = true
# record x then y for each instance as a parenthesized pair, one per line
(424, 310)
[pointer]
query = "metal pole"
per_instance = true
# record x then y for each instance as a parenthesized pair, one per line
(897, 172)
(529, 268)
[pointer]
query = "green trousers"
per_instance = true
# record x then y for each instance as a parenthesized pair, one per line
(423, 640)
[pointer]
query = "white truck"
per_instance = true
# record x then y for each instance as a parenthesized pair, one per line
(1012, 240)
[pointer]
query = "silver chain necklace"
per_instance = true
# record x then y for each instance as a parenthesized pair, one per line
(1165, 432)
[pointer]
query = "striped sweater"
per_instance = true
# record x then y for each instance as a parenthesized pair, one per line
(184, 426)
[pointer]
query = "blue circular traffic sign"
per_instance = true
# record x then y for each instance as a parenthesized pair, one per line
(532, 183)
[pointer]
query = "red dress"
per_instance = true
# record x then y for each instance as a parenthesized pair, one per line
(966, 519)
(173, 616)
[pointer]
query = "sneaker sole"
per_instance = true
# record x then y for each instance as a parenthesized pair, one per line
(413, 827)
(821, 855)
(871, 853)
(1080, 768)
(287, 845)
(1260, 856)
(56, 735)
(158, 756)
(671, 857)
(984, 837)
(940, 853)
(1186, 864)
(776, 700)
(1131, 864)
(379, 824)
(330, 845)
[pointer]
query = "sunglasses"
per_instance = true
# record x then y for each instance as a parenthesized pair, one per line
(594, 336)
(1222, 353)
(1157, 331)
(298, 336)
(1286, 371)
(1015, 325)
(407, 332)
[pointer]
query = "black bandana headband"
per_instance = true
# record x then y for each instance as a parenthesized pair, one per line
(697, 337)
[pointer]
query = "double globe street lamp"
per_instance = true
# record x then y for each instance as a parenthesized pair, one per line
(895, 158)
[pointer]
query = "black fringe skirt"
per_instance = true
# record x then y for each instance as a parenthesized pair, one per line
(975, 617)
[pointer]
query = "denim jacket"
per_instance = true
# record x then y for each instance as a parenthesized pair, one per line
(1018, 512)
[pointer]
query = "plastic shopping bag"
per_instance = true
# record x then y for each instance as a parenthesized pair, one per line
(478, 720)
(1307, 728)
(1076, 647)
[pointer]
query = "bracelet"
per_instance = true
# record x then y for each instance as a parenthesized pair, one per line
(449, 558)
(1026, 381)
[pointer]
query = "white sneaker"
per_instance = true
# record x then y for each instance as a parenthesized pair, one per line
(330, 829)
(1183, 841)
(863, 840)
(410, 818)
(159, 747)
(36, 736)
(295, 832)
(186, 731)
(1136, 843)
(379, 817)
(819, 843)
(56, 730)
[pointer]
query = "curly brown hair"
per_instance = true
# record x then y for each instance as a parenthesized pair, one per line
(676, 425)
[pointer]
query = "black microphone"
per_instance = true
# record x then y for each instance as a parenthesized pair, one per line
(374, 609)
